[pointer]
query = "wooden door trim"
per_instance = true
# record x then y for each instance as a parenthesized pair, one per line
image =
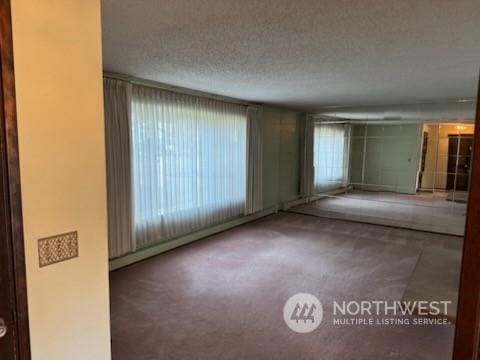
(12, 200)
(467, 332)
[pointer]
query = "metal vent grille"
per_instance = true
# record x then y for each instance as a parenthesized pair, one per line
(57, 248)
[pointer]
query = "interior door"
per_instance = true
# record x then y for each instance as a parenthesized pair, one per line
(464, 162)
(459, 161)
(7, 297)
(14, 329)
(8, 341)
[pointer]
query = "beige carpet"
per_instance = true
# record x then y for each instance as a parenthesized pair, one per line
(425, 211)
(222, 297)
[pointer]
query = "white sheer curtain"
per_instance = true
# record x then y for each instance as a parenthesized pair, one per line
(330, 156)
(306, 155)
(254, 162)
(117, 100)
(189, 163)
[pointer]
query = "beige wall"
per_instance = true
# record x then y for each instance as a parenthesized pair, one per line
(436, 159)
(57, 49)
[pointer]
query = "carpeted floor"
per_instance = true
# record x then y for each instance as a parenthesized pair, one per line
(222, 297)
(423, 211)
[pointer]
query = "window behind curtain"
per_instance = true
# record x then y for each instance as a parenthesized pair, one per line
(189, 163)
(330, 158)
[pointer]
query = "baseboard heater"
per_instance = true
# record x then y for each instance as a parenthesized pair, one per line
(306, 199)
(153, 250)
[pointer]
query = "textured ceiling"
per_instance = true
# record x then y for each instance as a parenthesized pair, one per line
(300, 53)
(444, 112)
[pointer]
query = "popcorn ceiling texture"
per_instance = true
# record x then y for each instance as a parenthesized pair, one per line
(305, 53)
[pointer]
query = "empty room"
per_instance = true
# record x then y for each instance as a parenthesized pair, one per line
(240, 180)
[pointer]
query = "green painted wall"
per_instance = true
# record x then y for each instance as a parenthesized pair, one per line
(391, 157)
(281, 146)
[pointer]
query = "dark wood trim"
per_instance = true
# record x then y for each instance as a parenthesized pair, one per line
(9, 152)
(467, 333)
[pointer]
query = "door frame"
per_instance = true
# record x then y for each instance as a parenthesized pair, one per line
(467, 331)
(12, 225)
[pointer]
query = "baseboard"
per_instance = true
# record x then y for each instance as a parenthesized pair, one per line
(300, 200)
(146, 253)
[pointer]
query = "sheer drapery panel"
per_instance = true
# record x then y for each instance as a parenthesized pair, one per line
(306, 156)
(330, 156)
(189, 163)
(254, 161)
(117, 101)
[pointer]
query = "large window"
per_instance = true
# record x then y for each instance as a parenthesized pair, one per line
(189, 163)
(330, 157)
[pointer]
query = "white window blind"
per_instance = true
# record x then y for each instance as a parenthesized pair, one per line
(189, 163)
(330, 158)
